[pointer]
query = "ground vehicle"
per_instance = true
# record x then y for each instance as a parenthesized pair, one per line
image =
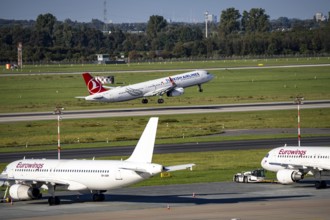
(252, 176)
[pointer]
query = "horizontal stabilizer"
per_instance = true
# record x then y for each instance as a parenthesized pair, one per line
(179, 167)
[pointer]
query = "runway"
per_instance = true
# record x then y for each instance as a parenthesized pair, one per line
(156, 111)
(225, 200)
(166, 148)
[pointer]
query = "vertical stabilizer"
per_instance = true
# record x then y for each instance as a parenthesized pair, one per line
(145, 147)
(92, 84)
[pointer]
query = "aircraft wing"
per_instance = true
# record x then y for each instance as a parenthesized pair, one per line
(70, 184)
(160, 91)
(94, 97)
(179, 167)
(163, 90)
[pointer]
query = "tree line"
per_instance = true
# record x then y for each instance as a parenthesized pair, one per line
(248, 34)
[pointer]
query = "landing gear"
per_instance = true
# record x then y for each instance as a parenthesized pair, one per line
(98, 197)
(145, 101)
(200, 88)
(320, 184)
(54, 200)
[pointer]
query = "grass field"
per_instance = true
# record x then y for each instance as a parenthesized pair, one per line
(167, 65)
(35, 93)
(42, 135)
(43, 92)
(210, 166)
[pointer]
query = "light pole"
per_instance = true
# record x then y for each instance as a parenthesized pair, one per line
(298, 101)
(206, 19)
(58, 112)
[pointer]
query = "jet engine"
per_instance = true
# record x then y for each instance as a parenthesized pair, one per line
(24, 192)
(176, 92)
(289, 176)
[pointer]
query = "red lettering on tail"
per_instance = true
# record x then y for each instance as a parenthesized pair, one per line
(92, 84)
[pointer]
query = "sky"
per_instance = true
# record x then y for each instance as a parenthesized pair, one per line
(131, 11)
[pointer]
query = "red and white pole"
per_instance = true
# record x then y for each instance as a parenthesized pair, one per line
(298, 102)
(58, 112)
(58, 138)
(299, 125)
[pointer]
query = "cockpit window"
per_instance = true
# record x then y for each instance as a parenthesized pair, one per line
(267, 155)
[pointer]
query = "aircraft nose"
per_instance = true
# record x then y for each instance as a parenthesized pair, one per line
(264, 163)
(210, 76)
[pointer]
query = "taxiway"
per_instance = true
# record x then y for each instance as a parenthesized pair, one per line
(224, 200)
(169, 110)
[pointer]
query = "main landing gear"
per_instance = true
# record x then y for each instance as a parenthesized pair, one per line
(159, 101)
(320, 184)
(98, 197)
(53, 200)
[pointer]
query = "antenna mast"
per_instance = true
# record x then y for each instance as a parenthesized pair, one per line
(58, 112)
(298, 101)
(105, 20)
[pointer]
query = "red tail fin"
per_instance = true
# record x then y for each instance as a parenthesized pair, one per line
(92, 84)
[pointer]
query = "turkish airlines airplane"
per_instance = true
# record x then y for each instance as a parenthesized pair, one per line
(292, 164)
(171, 86)
(26, 177)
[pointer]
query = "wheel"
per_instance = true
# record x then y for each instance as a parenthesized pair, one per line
(57, 200)
(323, 184)
(51, 201)
(144, 101)
(98, 197)
(54, 201)
(245, 180)
(318, 185)
(160, 101)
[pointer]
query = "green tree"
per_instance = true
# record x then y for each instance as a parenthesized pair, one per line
(45, 29)
(229, 21)
(155, 25)
(255, 20)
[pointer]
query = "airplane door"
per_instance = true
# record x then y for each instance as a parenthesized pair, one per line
(118, 175)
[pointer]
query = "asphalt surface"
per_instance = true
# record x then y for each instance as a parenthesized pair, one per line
(166, 148)
(224, 200)
(153, 111)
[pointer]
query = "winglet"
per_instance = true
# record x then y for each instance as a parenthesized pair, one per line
(145, 147)
(92, 84)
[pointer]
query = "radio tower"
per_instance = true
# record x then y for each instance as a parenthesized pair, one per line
(105, 20)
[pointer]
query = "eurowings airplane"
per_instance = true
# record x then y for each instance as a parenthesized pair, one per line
(26, 177)
(171, 86)
(292, 164)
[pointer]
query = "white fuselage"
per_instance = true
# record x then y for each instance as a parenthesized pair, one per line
(297, 157)
(82, 175)
(143, 89)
